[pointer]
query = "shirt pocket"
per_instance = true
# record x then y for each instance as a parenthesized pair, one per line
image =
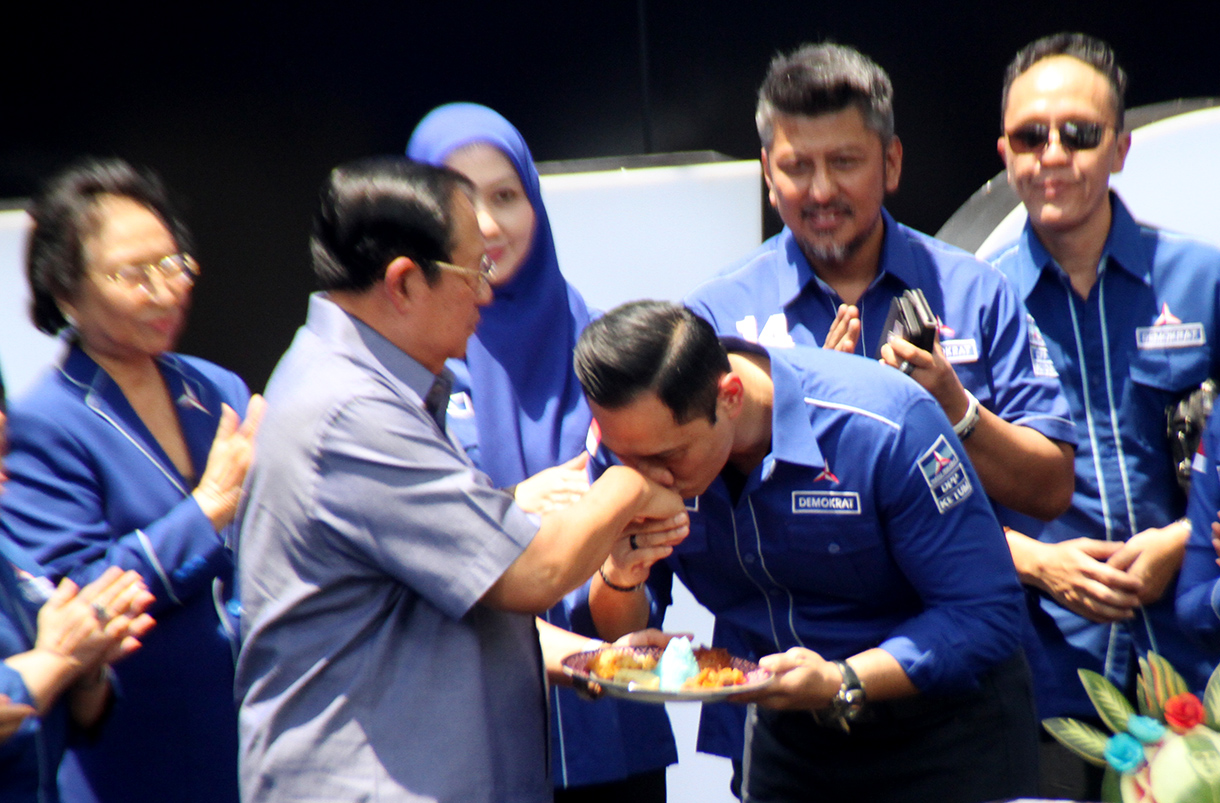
(1172, 370)
(1159, 379)
(832, 556)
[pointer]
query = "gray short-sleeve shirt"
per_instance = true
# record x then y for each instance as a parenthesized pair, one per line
(367, 670)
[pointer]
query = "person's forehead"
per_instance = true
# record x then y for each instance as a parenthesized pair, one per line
(831, 128)
(125, 229)
(644, 426)
(483, 163)
(1060, 81)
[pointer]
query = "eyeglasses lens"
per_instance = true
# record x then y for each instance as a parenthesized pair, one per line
(175, 269)
(1073, 136)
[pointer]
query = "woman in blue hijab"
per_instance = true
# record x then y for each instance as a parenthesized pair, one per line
(519, 409)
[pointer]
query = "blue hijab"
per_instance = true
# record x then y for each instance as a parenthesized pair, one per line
(529, 408)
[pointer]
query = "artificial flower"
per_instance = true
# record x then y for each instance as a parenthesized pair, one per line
(1146, 729)
(1183, 712)
(1124, 752)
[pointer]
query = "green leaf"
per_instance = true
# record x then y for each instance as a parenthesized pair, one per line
(1111, 706)
(1211, 700)
(1141, 694)
(1084, 740)
(1161, 681)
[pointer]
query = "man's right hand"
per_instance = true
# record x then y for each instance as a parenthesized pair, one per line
(644, 542)
(1076, 576)
(844, 330)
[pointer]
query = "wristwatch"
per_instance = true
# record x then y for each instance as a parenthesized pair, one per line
(848, 702)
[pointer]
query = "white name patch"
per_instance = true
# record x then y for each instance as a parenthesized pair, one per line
(838, 503)
(947, 479)
(1172, 336)
(964, 349)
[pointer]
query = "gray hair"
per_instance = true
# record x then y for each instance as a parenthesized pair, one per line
(822, 79)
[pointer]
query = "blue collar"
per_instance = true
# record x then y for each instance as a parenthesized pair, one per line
(896, 261)
(1122, 248)
(191, 397)
(792, 439)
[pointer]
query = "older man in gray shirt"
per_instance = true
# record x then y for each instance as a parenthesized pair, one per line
(389, 645)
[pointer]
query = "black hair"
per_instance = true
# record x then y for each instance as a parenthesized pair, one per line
(376, 209)
(652, 346)
(1089, 49)
(823, 79)
(65, 215)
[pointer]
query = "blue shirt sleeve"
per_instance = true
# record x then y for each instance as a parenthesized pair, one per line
(1022, 395)
(948, 544)
(1198, 594)
(57, 506)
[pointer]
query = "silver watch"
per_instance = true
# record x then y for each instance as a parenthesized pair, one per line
(848, 702)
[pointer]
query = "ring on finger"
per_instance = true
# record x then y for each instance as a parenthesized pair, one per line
(103, 615)
(634, 545)
(906, 368)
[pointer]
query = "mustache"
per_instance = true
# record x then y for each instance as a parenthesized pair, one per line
(836, 207)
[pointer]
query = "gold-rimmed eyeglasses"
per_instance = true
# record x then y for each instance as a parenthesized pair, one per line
(176, 272)
(485, 272)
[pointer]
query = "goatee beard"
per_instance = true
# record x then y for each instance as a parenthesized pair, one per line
(833, 253)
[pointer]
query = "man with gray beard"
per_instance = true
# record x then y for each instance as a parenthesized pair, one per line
(830, 157)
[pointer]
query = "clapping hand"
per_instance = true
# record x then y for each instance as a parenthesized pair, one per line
(98, 624)
(232, 451)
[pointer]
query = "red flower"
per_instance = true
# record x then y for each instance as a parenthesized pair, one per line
(1183, 712)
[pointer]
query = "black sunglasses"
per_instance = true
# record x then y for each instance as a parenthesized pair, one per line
(1073, 136)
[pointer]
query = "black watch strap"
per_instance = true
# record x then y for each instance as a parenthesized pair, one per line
(846, 705)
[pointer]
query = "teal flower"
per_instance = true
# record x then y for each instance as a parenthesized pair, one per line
(1146, 729)
(1124, 752)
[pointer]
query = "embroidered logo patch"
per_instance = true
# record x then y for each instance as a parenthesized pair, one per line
(1166, 317)
(965, 349)
(945, 475)
(593, 438)
(1039, 355)
(1170, 336)
(839, 503)
(826, 474)
(190, 400)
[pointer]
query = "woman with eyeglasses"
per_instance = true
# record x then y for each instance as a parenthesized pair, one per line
(132, 455)
(518, 409)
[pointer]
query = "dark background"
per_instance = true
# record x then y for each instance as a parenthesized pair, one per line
(243, 110)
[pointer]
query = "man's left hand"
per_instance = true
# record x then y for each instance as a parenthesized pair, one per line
(554, 488)
(803, 680)
(932, 370)
(1154, 556)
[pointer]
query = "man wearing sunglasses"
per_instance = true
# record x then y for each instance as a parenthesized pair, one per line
(1125, 314)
